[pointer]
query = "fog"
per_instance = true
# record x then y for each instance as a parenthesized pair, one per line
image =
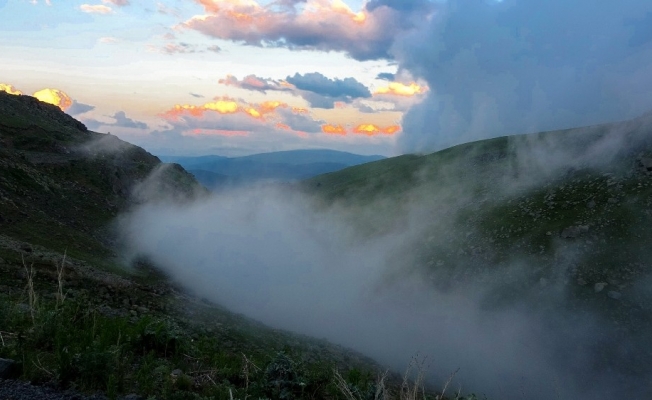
(270, 253)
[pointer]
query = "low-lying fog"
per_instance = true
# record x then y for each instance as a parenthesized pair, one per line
(268, 253)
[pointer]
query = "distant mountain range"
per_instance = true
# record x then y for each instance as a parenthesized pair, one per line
(217, 171)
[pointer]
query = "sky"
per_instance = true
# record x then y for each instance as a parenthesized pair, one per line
(236, 77)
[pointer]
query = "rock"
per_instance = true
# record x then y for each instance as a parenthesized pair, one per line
(614, 295)
(591, 204)
(598, 287)
(548, 233)
(8, 368)
(175, 374)
(543, 282)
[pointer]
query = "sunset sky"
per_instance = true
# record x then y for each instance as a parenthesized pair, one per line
(235, 77)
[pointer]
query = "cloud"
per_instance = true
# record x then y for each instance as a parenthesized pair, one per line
(498, 68)
(227, 114)
(317, 83)
(96, 9)
(54, 96)
(362, 129)
(386, 76)
(401, 89)
(183, 48)
(108, 40)
(255, 83)
(321, 25)
(5, 87)
(119, 3)
(179, 48)
(79, 108)
(120, 120)
(214, 49)
(422, 6)
(319, 90)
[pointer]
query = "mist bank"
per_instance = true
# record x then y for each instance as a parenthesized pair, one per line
(265, 254)
(492, 258)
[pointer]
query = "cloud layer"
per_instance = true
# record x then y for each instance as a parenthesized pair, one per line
(497, 68)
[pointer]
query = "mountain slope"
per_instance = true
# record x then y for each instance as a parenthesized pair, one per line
(62, 185)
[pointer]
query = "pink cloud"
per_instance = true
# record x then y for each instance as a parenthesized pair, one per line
(317, 25)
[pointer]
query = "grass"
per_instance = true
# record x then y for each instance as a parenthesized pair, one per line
(74, 338)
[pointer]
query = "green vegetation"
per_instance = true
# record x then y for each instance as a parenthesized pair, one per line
(93, 337)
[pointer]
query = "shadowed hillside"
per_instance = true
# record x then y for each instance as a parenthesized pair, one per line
(62, 185)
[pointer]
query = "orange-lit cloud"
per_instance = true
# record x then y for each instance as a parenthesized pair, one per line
(311, 24)
(228, 114)
(54, 96)
(362, 129)
(400, 89)
(5, 87)
(299, 110)
(372, 130)
(333, 129)
(226, 106)
(96, 9)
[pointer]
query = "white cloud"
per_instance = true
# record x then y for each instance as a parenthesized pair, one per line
(96, 9)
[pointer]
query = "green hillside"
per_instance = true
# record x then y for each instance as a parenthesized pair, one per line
(503, 198)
